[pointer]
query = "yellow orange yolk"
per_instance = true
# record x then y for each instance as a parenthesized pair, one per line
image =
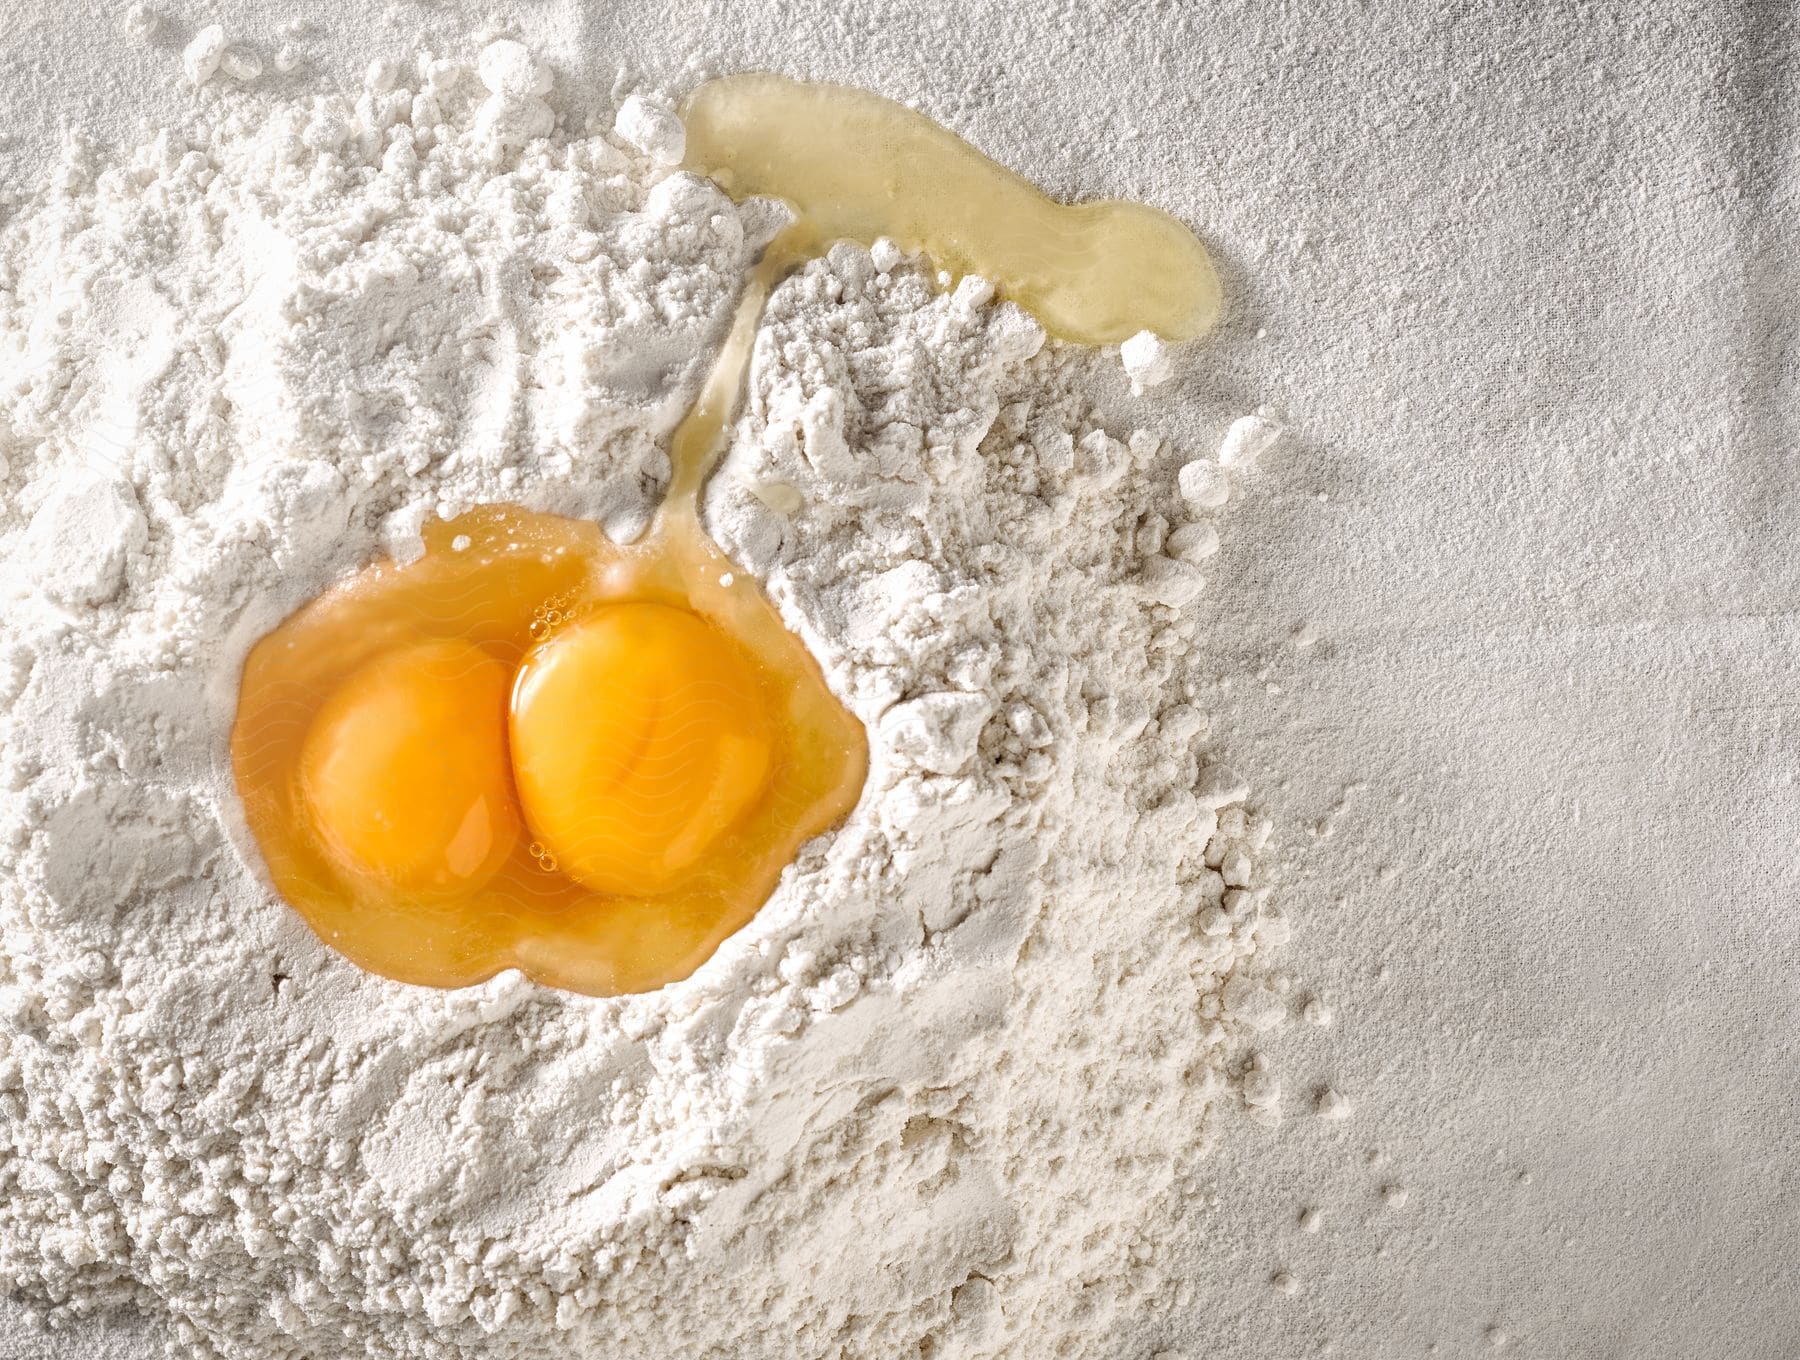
(405, 770)
(639, 736)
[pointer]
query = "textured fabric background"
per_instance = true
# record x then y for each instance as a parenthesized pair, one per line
(1522, 280)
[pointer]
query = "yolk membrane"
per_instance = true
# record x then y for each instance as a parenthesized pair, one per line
(638, 737)
(405, 770)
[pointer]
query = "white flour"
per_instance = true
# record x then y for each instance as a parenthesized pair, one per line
(949, 1094)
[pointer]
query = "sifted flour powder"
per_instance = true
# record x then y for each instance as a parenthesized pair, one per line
(948, 1094)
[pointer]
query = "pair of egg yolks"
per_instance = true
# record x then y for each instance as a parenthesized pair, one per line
(534, 748)
(626, 744)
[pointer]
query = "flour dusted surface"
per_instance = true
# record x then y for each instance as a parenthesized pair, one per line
(951, 1088)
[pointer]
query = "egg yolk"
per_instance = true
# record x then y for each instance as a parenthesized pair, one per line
(405, 770)
(638, 737)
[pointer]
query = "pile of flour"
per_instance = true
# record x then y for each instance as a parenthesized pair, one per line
(949, 1094)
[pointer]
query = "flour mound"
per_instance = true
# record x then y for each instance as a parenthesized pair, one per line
(949, 1093)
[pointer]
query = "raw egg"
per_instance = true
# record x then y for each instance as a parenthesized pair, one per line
(534, 748)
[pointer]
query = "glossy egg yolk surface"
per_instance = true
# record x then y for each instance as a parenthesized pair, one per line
(639, 736)
(405, 770)
(533, 748)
